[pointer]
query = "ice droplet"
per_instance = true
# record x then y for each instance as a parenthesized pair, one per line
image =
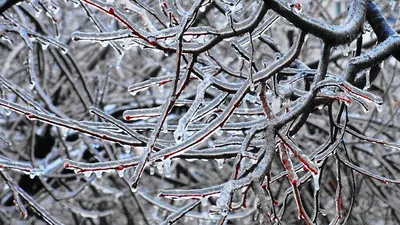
(255, 218)
(204, 201)
(220, 163)
(178, 136)
(202, 8)
(133, 93)
(45, 45)
(323, 212)
(98, 173)
(76, 3)
(167, 167)
(134, 189)
(379, 107)
(104, 43)
(152, 170)
(212, 215)
(64, 51)
(32, 85)
(7, 112)
(252, 87)
(188, 38)
(127, 149)
(365, 109)
(121, 173)
(87, 173)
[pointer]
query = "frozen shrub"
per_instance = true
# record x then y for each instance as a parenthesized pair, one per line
(206, 112)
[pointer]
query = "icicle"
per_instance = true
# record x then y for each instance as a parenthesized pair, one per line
(165, 126)
(367, 80)
(160, 167)
(118, 64)
(167, 167)
(276, 104)
(316, 181)
(392, 4)
(161, 89)
(345, 50)
(204, 200)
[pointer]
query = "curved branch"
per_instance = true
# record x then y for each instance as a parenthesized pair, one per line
(348, 31)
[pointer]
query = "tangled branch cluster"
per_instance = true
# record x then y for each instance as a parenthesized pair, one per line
(222, 112)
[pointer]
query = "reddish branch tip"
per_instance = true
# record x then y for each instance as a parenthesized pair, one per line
(164, 5)
(163, 82)
(296, 5)
(1, 166)
(105, 137)
(294, 182)
(276, 202)
(153, 42)
(129, 117)
(66, 165)
(120, 167)
(111, 11)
